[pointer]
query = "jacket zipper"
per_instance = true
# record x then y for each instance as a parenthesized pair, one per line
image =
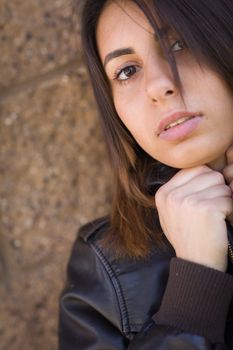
(230, 251)
(230, 241)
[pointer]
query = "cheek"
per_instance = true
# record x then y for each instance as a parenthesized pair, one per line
(131, 107)
(132, 121)
(126, 111)
(137, 119)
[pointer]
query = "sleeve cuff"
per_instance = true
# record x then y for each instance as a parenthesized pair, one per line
(196, 300)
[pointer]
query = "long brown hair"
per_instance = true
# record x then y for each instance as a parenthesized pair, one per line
(206, 27)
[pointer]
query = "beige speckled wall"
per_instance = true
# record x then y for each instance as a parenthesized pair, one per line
(54, 173)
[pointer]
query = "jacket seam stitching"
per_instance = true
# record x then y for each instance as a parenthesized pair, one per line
(95, 227)
(117, 287)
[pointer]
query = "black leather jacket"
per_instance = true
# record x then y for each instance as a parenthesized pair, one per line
(110, 304)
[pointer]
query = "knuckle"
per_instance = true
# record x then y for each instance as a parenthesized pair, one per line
(159, 196)
(205, 206)
(191, 201)
(174, 197)
(203, 168)
(218, 177)
(228, 190)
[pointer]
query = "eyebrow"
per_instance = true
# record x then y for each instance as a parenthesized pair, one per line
(117, 53)
(129, 50)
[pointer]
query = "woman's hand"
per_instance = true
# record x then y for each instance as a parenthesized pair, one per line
(228, 174)
(192, 209)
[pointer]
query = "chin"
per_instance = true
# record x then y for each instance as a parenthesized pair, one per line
(181, 164)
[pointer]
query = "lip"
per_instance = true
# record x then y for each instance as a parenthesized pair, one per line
(172, 117)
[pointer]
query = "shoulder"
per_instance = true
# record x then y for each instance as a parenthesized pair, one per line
(92, 268)
(85, 247)
(83, 258)
(90, 282)
(91, 229)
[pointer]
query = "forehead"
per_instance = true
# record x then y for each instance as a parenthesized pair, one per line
(120, 22)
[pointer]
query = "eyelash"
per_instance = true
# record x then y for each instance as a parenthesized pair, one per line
(178, 42)
(118, 73)
(123, 70)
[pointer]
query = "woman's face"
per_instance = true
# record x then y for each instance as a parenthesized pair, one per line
(147, 100)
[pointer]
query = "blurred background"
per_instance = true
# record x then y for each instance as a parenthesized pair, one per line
(54, 173)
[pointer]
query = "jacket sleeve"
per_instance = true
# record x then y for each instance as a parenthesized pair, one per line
(89, 308)
(193, 312)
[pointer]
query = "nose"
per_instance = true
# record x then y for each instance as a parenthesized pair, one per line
(159, 81)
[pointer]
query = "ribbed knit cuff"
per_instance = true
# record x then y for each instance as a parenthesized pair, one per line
(196, 300)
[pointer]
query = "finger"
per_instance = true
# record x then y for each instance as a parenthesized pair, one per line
(185, 175)
(228, 173)
(215, 192)
(226, 205)
(208, 180)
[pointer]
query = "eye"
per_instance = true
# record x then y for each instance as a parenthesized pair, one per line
(178, 45)
(125, 73)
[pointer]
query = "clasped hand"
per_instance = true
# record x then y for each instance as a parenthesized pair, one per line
(193, 207)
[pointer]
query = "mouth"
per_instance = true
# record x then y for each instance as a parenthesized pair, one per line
(178, 125)
(178, 122)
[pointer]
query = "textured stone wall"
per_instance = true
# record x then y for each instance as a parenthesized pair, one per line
(54, 173)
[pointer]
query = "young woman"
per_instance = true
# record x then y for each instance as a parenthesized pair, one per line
(157, 272)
